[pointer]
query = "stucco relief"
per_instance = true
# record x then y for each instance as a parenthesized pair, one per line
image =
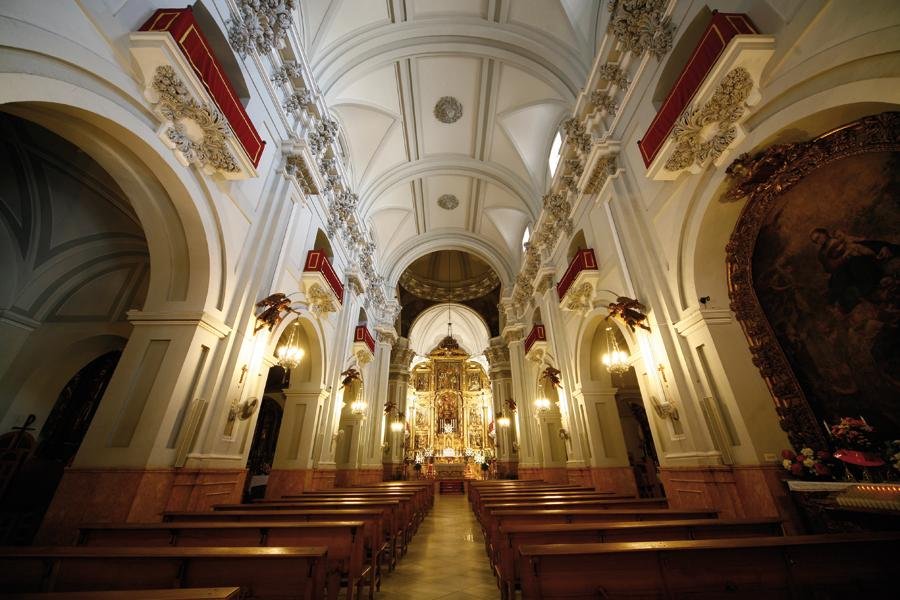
(197, 131)
(703, 133)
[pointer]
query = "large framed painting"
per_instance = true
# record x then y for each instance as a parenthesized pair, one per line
(814, 276)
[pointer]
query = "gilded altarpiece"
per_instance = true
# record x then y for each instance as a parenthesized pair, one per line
(451, 416)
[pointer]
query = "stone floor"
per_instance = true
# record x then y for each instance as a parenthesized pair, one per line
(446, 558)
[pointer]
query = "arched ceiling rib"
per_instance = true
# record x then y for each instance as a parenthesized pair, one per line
(515, 66)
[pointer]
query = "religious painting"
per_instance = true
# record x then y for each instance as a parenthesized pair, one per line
(474, 381)
(447, 376)
(421, 382)
(824, 270)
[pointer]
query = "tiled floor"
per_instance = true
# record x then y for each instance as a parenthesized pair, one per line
(446, 558)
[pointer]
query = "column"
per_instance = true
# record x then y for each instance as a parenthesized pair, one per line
(126, 459)
(555, 326)
(610, 469)
(501, 389)
(529, 446)
(398, 389)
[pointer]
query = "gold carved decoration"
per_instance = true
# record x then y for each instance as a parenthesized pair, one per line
(762, 179)
(704, 132)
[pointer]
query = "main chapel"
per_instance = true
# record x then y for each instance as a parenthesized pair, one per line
(473, 299)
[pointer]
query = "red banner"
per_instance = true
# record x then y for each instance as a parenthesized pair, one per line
(181, 25)
(722, 28)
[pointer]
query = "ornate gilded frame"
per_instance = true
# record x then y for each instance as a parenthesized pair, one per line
(762, 179)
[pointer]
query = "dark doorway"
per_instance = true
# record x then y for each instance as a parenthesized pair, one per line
(31, 488)
(262, 450)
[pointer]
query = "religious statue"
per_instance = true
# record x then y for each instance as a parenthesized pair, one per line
(274, 304)
(629, 311)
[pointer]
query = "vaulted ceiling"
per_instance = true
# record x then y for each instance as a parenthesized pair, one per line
(514, 66)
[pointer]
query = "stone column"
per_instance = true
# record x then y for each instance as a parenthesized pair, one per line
(398, 386)
(370, 468)
(529, 447)
(292, 469)
(610, 469)
(501, 388)
(126, 459)
(555, 327)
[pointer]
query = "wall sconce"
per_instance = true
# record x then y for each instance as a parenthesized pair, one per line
(502, 421)
(358, 407)
(542, 405)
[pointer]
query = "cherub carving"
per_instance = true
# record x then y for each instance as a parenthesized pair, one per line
(629, 311)
(274, 305)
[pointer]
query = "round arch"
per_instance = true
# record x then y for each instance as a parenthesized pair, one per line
(451, 165)
(404, 254)
(709, 223)
(42, 385)
(430, 327)
(363, 53)
(184, 263)
(312, 368)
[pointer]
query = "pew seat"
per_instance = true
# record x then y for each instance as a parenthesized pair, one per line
(222, 593)
(344, 540)
(512, 537)
(271, 573)
(824, 567)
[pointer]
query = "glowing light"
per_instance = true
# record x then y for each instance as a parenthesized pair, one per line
(290, 354)
(542, 405)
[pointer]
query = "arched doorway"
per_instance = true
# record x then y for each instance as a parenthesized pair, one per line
(623, 453)
(31, 487)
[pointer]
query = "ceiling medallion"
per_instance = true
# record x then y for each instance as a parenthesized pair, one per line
(448, 110)
(448, 202)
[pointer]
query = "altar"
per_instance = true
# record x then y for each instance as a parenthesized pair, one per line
(450, 470)
(450, 414)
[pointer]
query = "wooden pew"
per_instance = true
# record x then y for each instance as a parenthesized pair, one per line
(344, 540)
(541, 498)
(395, 517)
(264, 573)
(824, 567)
(373, 518)
(536, 516)
(414, 504)
(512, 537)
(223, 593)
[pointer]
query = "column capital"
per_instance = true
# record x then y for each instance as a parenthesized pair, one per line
(514, 333)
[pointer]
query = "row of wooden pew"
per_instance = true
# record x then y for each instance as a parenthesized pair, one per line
(307, 547)
(562, 541)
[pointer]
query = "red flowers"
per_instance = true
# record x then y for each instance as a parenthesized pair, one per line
(806, 462)
(852, 434)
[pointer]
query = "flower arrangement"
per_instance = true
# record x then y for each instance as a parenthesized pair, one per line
(892, 453)
(852, 434)
(806, 462)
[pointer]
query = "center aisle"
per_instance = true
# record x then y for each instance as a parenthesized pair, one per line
(446, 558)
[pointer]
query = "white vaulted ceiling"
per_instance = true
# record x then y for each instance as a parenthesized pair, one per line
(515, 66)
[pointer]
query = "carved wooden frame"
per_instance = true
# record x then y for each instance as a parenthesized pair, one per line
(762, 179)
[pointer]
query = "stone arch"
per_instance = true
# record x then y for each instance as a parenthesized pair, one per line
(403, 255)
(183, 236)
(43, 383)
(710, 221)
